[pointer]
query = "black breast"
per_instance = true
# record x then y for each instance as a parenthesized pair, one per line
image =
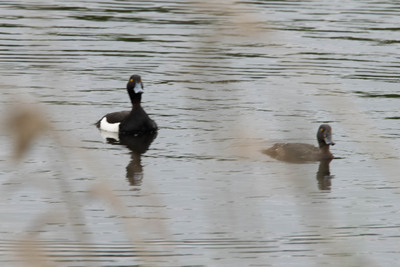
(137, 122)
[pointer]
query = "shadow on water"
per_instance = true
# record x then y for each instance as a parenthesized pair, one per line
(324, 176)
(138, 145)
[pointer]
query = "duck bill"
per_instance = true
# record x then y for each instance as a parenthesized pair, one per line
(138, 88)
(328, 140)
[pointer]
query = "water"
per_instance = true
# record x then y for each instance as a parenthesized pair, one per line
(222, 81)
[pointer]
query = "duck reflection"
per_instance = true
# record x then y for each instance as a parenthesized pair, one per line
(138, 145)
(324, 175)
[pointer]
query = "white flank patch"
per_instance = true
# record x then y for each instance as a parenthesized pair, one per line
(109, 127)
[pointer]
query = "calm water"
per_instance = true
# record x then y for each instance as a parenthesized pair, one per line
(222, 82)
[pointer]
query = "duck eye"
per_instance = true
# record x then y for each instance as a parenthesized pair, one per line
(322, 129)
(131, 80)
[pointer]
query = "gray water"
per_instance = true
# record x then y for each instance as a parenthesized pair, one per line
(222, 81)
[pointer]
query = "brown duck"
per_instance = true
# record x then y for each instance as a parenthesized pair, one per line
(298, 153)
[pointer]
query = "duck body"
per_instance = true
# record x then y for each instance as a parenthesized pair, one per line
(298, 152)
(133, 122)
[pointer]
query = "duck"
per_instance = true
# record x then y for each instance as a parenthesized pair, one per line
(132, 122)
(298, 152)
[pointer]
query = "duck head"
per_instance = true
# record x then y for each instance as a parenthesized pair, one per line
(324, 135)
(135, 88)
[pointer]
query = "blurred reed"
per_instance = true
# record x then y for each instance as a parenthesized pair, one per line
(28, 124)
(233, 19)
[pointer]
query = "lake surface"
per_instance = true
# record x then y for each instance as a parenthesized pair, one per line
(222, 81)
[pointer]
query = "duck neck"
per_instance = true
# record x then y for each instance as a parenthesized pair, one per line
(324, 148)
(135, 99)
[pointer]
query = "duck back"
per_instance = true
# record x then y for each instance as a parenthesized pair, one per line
(114, 117)
(294, 152)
